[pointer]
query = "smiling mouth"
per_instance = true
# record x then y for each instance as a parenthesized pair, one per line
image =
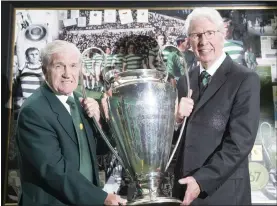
(204, 50)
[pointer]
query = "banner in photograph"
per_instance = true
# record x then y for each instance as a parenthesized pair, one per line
(125, 16)
(82, 21)
(142, 15)
(69, 22)
(110, 16)
(95, 18)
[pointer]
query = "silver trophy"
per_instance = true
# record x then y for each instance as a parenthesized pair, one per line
(141, 107)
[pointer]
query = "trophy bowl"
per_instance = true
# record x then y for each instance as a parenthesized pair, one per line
(141, 111)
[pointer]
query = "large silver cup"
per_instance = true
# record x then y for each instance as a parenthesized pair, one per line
(141, 110)
(141, 107)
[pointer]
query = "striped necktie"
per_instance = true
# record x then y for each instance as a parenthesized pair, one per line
(204, 80)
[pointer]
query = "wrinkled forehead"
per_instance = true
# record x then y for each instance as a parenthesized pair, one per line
(70, 56)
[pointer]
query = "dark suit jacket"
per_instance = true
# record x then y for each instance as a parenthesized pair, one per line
(220, 134)
(49, 155)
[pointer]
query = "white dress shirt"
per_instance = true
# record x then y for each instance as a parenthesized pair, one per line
(212, 69)
(63, 99)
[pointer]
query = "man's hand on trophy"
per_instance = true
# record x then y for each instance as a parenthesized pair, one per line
(91, 107)
(113, 199)
(184, 108)
(193, 189)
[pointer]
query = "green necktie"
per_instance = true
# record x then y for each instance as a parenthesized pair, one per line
(85, 158)
(204, 80)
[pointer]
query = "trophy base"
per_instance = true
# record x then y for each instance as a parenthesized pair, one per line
(159, 200)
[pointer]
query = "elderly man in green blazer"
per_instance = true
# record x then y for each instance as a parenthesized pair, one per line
(55, 137)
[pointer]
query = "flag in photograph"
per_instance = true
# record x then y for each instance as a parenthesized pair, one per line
(95, 18)
(142, 15)
(74, 14)
(110, 16)
(69, 22)
(125, 16)
(82, 21)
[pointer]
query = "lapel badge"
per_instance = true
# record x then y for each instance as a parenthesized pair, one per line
(81, 126)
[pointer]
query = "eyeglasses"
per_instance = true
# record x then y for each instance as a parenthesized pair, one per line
(208, 34)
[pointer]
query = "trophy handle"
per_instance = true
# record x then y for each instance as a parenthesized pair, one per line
(185, 119)
(104, 137)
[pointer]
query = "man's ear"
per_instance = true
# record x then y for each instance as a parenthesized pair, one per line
(44, 70)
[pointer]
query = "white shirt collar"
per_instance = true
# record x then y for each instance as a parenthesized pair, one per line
(63, 98)
(212, 69)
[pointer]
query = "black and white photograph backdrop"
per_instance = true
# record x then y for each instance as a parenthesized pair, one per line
(128, 35)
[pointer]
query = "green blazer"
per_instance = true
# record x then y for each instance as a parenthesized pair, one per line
(49, 155)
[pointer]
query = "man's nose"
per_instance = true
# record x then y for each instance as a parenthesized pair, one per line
(66, 72)
(203, 39)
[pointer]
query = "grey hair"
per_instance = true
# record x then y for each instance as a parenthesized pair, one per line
(205, 12)
(54, 47)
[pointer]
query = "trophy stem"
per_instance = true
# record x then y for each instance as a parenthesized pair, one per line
(151, 185)
(149, 191)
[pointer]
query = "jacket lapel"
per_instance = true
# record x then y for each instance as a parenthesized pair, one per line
(62, 114)
(217, 81)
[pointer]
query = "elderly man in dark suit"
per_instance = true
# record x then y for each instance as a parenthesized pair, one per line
(57, 144)
(222, 126)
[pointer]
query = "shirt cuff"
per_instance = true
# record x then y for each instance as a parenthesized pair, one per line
(177, 125)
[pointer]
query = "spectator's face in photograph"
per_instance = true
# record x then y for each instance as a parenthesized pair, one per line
(207, 49)
(33, 57)
(108, 50)
(121, 50)
(228, 30)
(184, 45)
(131, 49)
(160, 40)
(63, 72)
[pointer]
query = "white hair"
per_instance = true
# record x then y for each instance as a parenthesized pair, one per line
(57, 46)
(205, 12)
